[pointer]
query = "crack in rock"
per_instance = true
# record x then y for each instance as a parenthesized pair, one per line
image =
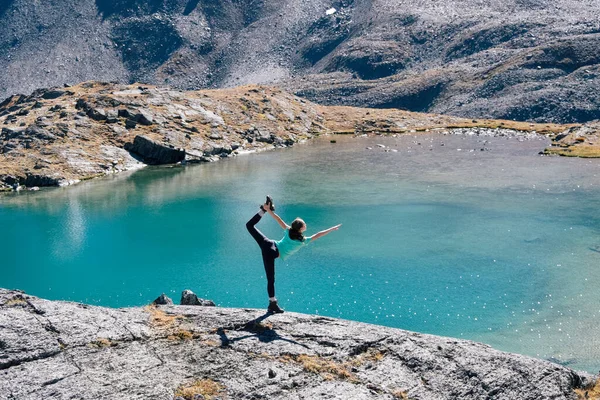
(42, 356)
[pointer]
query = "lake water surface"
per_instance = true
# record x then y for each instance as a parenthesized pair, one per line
(500, 246)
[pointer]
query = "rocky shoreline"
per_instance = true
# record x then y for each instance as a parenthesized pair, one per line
(61, 136)
(55, 349)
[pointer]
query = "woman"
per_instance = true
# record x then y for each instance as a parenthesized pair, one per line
(291, 242)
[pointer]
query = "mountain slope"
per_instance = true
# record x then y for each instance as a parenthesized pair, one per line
(535, 60)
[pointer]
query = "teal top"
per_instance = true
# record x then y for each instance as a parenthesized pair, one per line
(287, 246)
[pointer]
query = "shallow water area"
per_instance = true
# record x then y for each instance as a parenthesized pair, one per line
(465, 236)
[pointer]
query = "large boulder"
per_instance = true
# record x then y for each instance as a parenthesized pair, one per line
(97, 114)
(189, 298)
(144, 117)
(141, 116)
(153, 152)
(52, 94)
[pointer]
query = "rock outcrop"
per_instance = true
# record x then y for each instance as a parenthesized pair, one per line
(52, 349)
(153, 152)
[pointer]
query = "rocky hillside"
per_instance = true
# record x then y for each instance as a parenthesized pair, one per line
(535, 60)
(67, 350)
(60, 136)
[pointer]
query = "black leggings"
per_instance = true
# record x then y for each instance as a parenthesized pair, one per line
(269, 252)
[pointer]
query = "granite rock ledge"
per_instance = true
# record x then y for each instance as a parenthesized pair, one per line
(55, 349)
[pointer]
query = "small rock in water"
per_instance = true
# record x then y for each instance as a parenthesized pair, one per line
(163, 300)
(272, 374)
(189, 298)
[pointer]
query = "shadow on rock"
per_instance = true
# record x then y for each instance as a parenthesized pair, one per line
(264, 332)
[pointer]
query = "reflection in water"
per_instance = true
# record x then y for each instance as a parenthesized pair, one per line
(70, 243)
(151, 186)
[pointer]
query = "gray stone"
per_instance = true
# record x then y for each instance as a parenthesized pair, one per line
(163, 299)
(52, 349)
(112, 116)
(112, 113)
(189, 298)
(97, 114)
(124, 113)
(154, 152)
(130, 124)
(53, 94)
(144, 117)
(32, 180)
(39, 133)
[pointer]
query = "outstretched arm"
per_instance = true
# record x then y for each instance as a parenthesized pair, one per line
(325, 232)
(276, 217)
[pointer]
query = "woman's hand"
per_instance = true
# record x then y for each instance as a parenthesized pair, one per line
(325, 232)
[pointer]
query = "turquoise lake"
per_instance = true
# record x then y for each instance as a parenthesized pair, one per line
(500, 246)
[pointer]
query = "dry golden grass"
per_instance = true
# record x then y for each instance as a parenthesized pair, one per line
(260, 327)
(323, 366)
(103, 342)
(160, 319)
(206, 387)
(181, 334)
(349, 120)
(400, 394)
(328, 369)
(17, 301)
(590, 393)
(582, 151)
(371, 355)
